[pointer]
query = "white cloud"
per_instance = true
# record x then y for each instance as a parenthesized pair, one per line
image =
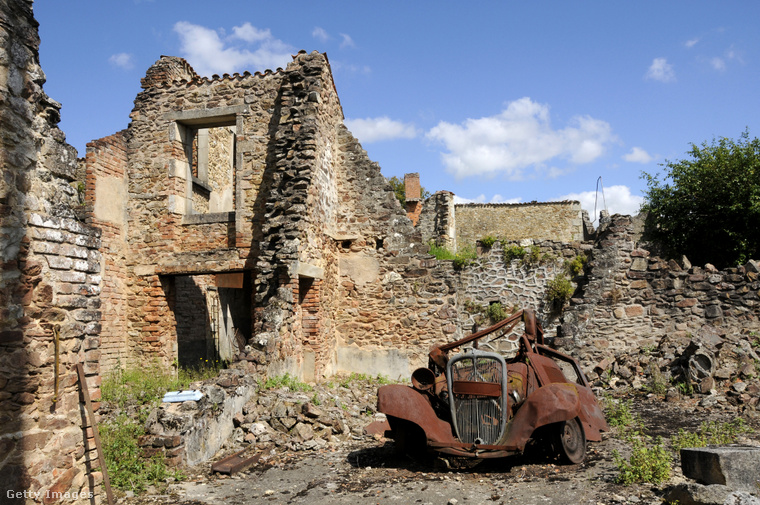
(209, 52)
(519, 137)
(661, 70)
(482, 199)
(380, 128)
(619, 200)
(320, 34)
(250, 33)
(347, 41)
(718, 64)
(122, 60)
(691, 42)
(638, 155)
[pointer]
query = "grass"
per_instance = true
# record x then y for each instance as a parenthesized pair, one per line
(140, 390)
(462, 258)
(287, 381)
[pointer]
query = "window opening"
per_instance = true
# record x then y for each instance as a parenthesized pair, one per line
(211, 156)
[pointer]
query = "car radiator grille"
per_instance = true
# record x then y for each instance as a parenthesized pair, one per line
(478, 418)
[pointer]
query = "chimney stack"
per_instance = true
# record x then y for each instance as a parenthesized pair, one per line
(413, 192)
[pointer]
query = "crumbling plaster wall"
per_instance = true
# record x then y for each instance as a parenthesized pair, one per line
(49, 282)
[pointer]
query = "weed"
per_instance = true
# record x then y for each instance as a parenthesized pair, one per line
(488, 241)
(575, 266)
(710, 433)
(315, 400)
(287, 381)
(532, 256)
(513, 252)
(461, 258)
(559, 290)
(658, 384)
(619, 415)
(684, 387)
(440, 252)
(648, 462)
(464, 257)
(496, 312)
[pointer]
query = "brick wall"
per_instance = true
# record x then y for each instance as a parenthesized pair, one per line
(105, 163)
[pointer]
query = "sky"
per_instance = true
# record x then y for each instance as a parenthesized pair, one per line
(495, 101)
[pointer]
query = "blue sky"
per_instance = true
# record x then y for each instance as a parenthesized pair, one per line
(495, 101)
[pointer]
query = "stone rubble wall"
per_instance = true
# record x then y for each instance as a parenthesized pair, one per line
(633, 300)
(50, 277)
(558, 221)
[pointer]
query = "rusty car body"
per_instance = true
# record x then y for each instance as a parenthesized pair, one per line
(481, 404)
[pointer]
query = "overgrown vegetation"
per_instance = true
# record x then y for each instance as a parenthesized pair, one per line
(513, 252)
(559, 291)
(488, 241)
(135, 392)
(651, 460)
(496, 312)
(287, 381)
(462, 258)
(708, 206)
(710, 433)
(576, 266)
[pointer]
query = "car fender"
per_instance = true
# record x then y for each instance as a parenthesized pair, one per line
(404, 402)
(552, 403)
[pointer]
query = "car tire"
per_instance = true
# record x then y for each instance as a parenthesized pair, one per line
(571, 441)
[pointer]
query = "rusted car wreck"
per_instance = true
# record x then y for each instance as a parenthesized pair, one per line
(479, 404)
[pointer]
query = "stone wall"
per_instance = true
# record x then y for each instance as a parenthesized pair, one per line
(49, 284)
(633, 300)
(558, 221)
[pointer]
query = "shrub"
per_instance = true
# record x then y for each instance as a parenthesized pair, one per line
(575, 266)
(648, 463)
(496, 312)
(488, 241)
(559, 290)
(513, 252)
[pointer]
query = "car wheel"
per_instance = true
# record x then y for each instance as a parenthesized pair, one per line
(571, 441)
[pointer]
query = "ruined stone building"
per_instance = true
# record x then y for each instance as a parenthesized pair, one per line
(236, 218)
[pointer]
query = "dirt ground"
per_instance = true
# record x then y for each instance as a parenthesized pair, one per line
(368, 472)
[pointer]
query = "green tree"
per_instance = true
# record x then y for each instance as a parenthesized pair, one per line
(400, 191)
(708, 206)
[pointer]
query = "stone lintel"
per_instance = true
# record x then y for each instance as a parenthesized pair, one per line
(211, 217)
(307, 270)
(208, 118)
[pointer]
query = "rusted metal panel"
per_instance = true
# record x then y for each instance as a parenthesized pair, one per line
(230, 280)
(235, 462)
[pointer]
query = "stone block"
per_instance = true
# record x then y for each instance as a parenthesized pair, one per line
(734, 466)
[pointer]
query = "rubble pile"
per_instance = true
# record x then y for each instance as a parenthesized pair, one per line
(720, 367)
(327, 414)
